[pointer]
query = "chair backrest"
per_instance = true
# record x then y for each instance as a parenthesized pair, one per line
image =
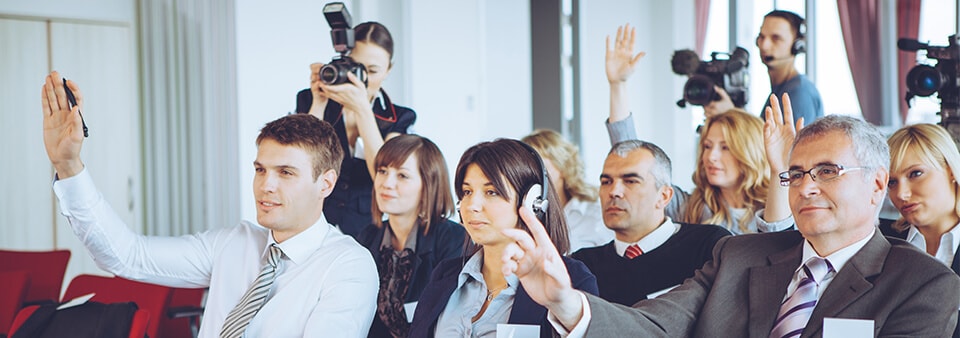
(12, 292)
(150, 297)
(138, 326)
(181, 318)
(45, 270)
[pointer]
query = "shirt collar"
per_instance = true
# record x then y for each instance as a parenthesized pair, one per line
(950, 238)
(651, 241)
(379, 99)
(837, 259)
(299, 247)
(411, 242)
(471, 271)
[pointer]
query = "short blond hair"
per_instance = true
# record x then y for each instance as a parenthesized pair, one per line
(934, 146)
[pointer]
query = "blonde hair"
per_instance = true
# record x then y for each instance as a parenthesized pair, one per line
(743, 134)
(935, 148)
(566, 158)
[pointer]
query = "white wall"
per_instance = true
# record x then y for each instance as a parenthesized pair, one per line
(99, 10)
(662, 27)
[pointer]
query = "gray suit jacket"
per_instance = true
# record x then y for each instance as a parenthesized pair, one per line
(737, 294)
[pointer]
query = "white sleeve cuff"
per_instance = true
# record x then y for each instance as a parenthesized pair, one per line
(580, 329)
(76, 193)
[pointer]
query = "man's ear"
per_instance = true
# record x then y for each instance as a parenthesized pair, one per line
(327, 181)
(880, 180)
(665, 195)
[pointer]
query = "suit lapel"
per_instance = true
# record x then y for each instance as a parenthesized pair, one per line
(768, 284)
(852, 282)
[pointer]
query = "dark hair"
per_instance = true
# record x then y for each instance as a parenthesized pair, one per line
(310, 133)
(795, 20)
(436, 201)
(375, 33)
(511, 166)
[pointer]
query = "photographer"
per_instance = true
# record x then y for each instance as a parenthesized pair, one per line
(357, 113)
(781, 38)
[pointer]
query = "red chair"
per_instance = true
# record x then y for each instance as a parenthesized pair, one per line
(11, 297)
(182, 317)
(45, 270)
(149, 297)
(138, 327)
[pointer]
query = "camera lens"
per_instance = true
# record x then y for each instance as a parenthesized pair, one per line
(329, 74)
(698, 90)
(924, 80)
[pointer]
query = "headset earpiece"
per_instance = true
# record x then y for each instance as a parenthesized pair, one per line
(535, 198)
(800, 42)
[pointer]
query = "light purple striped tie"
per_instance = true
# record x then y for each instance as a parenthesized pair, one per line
(796, 309)
(239, 318)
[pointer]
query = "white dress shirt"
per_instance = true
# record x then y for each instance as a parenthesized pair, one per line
(325, 282)
(949, 242)
(585, 224)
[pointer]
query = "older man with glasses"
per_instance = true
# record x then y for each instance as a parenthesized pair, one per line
(836, 269)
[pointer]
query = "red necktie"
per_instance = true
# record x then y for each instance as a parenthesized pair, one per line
(633, 251)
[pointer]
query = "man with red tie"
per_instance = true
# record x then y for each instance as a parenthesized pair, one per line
(650, 253)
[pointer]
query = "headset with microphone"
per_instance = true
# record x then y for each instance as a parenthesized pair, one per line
(799, 43)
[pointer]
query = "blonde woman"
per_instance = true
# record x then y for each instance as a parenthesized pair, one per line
(579, 200)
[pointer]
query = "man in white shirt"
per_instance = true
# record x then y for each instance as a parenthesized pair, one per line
(837, 264)
(323, 281)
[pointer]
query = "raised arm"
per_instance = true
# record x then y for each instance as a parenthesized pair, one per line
(779, 131)
(620, 64)
(353, 97)
(62, 126)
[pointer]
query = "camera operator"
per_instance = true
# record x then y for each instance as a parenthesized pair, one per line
(357, 112)
(781, 38)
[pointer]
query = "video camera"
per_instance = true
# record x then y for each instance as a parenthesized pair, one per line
(727, 70)
(341, 33)
(925, 80)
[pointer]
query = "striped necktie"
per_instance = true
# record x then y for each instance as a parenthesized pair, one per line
(632, 252)
(796, 309)
(239, 318)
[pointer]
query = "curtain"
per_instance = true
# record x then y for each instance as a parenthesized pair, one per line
(188, 65)
(908, 26)
(859, 21)
(702, 11)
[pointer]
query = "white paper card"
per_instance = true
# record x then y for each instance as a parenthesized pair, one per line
(658, 293)
(518, 331)
(847, 328)
(409, 308)
(76, 301)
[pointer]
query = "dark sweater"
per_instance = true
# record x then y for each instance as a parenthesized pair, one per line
(627, 281)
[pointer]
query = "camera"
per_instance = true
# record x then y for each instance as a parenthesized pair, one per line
(726, 70)
(341, 33)
(925, 80)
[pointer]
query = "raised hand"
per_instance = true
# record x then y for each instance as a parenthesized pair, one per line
(540, 269)
(319, 98)
(352, 96)
(779, 131)
(620, 60)
(719, 106)
(62, 126)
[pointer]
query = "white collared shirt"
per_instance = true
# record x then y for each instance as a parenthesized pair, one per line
(651, 241)
(949, 242)
(837, 259)
(585, 224)
(325, 282)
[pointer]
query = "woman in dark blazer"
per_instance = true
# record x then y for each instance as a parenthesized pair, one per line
(469, 296)
(924, 166)
(412, 189)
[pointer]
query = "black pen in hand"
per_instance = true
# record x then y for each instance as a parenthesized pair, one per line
(73, 102)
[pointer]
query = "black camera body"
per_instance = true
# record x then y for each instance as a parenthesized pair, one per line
(342, 35)
(943, 79)
(726, 70)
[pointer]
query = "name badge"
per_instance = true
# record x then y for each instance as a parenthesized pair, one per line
(518, 331)
(847, 328)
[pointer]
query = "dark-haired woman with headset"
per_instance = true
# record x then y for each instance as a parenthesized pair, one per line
(470, 296)
(363, 117)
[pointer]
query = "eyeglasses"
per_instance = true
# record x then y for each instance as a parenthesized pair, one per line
(820, 173)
